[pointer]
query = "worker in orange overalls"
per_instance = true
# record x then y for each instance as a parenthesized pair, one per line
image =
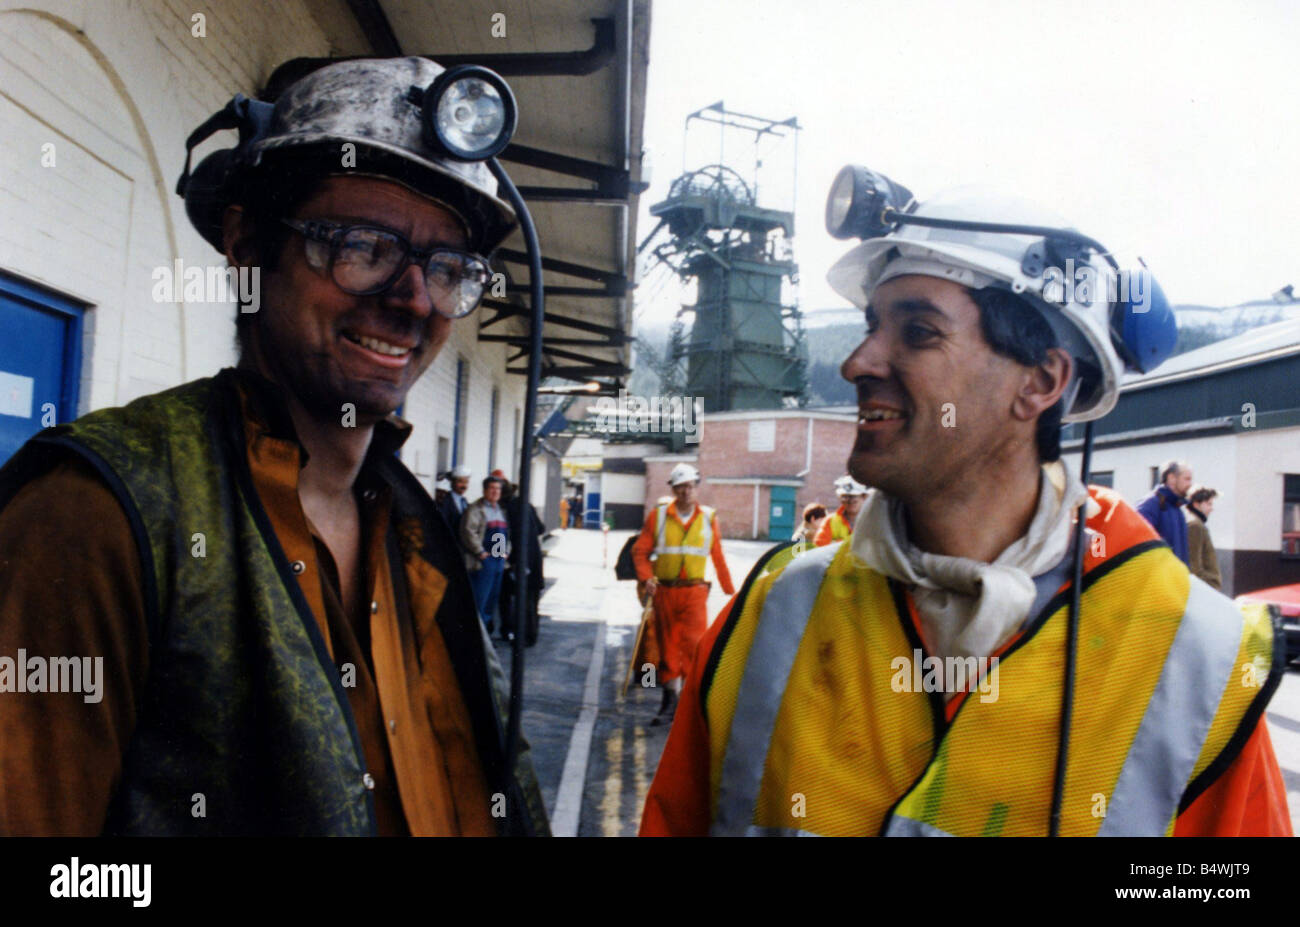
(840, 525)
(682, 535)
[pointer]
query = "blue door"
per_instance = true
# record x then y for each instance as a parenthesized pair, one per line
(780, 514)
(40, 362)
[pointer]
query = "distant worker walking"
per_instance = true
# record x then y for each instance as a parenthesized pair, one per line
(814, 515)
(840, 525)
(1202, 559)
(682, 535)
(1160, 506)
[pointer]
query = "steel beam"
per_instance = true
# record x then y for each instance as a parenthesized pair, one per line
(567, 268)
(548, 64)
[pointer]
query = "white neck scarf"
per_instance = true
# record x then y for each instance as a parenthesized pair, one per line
(966, 607)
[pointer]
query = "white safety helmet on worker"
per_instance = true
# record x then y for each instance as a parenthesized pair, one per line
(1073, 287)
(683, 473)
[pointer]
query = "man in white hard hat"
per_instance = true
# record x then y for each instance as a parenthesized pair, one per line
(840, 525)
(681, 535)
(458, 503)
(286, 627)
(919, 678)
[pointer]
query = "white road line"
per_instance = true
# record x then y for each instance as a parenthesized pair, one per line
(568, 799)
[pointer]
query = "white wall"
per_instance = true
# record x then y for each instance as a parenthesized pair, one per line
(1263, 457)
(1246, 468)
(627, 488)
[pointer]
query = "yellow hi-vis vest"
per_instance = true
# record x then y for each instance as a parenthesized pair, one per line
(840, 528)
(817, 725)
(675, 548)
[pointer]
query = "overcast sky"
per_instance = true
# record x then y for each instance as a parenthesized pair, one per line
(1164, 129)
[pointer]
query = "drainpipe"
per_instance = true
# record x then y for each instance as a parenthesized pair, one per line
(807, 454)
(754, 530)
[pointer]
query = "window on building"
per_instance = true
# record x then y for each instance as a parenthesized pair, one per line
(1102, 478)
(1155, 476)
(444, 454)
(462, 397)
(762, 435)
(492, 427)
(1291, 514)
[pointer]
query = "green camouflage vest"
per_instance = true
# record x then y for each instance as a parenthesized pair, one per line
(243, 705)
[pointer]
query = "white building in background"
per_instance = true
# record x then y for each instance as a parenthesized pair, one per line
(1232, 411)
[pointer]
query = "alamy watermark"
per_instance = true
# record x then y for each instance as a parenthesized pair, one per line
(76, 879)
(1084, 283)
(632, 414)
(920, 673)
(198, 283)
(53, 674)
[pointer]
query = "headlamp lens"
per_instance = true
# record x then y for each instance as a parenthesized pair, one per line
(856, 204)
(471, 112)
(839, 202)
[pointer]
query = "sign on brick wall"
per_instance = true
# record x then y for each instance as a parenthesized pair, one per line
(762, 435)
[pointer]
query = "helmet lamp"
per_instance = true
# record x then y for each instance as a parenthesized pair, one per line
(857, 202)
(469, 112)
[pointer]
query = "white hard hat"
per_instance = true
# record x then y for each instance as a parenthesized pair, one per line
(683, 473)
(848, 486)
(461, 472)
(443, 485)
(973, 259)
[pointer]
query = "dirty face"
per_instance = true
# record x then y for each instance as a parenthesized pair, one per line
(330, 347)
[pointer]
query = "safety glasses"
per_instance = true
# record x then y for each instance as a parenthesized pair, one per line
(365, 259)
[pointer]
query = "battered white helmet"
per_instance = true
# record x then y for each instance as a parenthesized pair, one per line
(848, 486)
(377, 106)
(1031, 266)
(683, 473)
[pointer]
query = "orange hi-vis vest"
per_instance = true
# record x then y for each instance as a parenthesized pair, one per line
(675, 548)
(822, 718)
(840, 529)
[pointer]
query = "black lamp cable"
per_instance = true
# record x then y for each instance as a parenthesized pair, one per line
(522, 531)
(1071, 644)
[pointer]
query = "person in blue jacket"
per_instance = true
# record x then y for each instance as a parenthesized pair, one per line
(1161, 507)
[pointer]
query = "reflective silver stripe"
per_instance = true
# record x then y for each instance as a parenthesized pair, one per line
(697, 551)
(661, 525)
(906, 827)
(781, 625)
(1178, 717)
(706, 529)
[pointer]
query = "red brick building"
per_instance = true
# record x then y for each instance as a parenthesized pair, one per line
(761, 467)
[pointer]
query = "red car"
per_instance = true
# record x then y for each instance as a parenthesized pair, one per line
(1287, 599)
